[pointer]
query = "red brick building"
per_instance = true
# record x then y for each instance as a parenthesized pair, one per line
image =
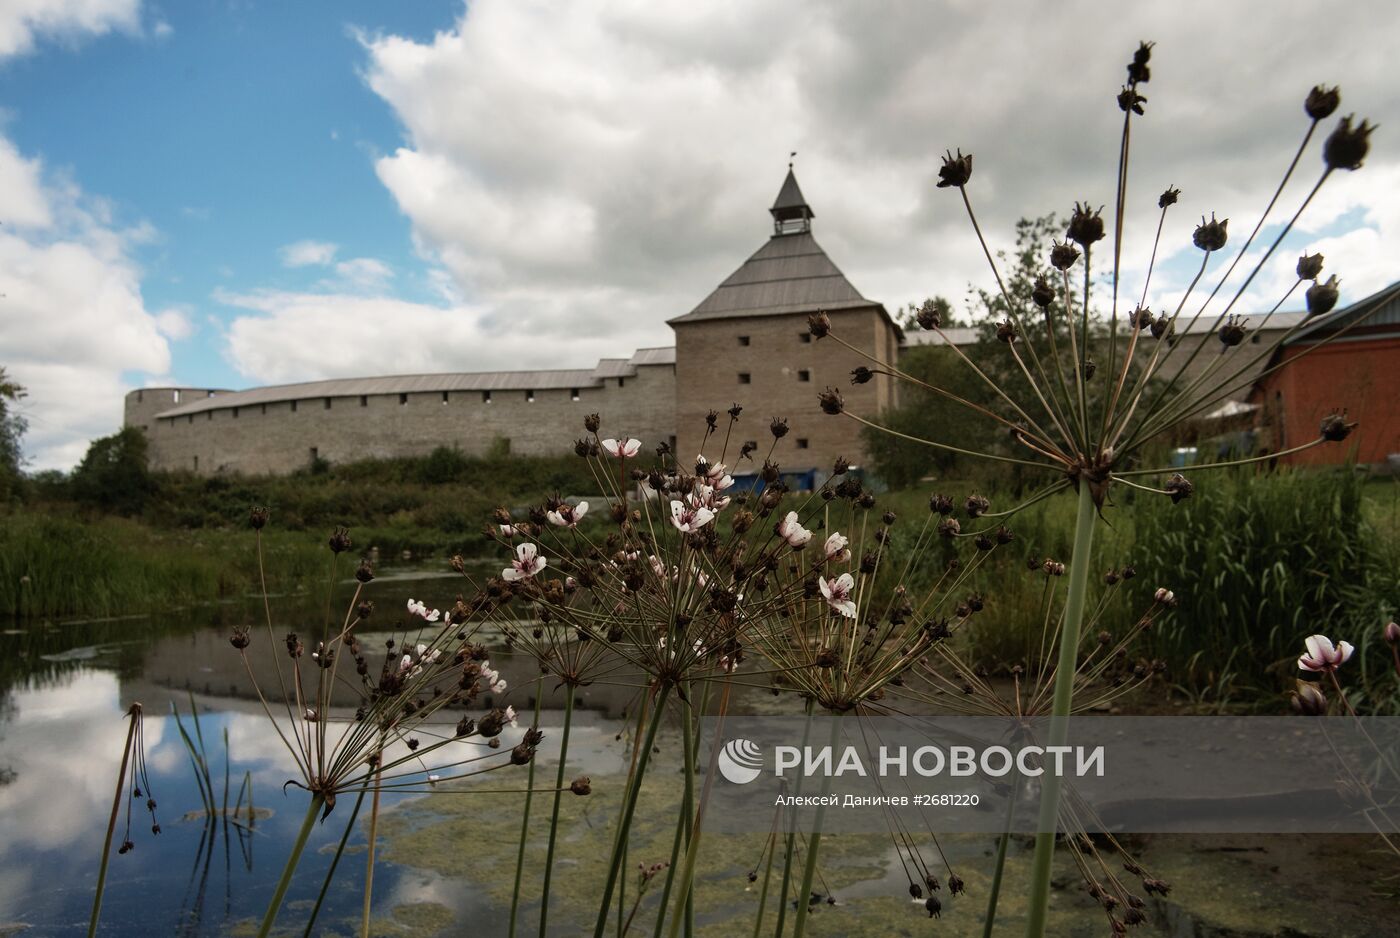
(1348, 360)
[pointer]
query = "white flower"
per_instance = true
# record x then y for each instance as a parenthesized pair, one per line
(526, 564)
(508, 530)
(421, 648)
(434, 779)
(500, 686)
(717, 476)
(689, 520)
(622, 450)
(704, 497)
(790, 530)
(510, 717)
(838, 593)
(405, 663)
(415, 608)
(1322, 656)
(836, 550)
(568, 516)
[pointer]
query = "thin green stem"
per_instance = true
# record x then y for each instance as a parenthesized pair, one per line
(799, 925)
(767, 878)
(525, 820)
(335, 862)
(133, 713)
(273, 907)
(629, 805)
(1080, 562)
(554, 814)
(995, 894)
(792, 834)
(683, 822)
(369, 851)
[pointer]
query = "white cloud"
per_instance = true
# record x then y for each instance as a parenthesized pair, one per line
(364, 273)
(175, 324)
(291, 336)
(23, 22)
(593, 172)
(308, 253)
(73, 324)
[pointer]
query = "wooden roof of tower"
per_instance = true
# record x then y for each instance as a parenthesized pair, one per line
(789, 274)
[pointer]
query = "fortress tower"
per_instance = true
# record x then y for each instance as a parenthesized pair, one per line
(747, 342)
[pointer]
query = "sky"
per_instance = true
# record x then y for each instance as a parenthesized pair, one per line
(227, 193)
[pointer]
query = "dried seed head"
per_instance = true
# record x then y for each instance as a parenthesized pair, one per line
(1322, 101)
(779, 427)
(861, 375)
(257, 517)
(1130, 100)
(827, 658)
(949, 527)
(734, 411)
(1090, 366)
(930, 315)
(239, 639)
(1085, 226)
(941, 504)
(1111, 577)
(1168, 197)
(1210, 235)
(1335, 427)
(1053, 568)
(976, 506)
(1179, 487)
(1142, 318)
(1346, 147)
(1309, 266)
(1042, 293)
(831, 402)
(1063, 255)
(1004, 534)
(819, 325)
(841, 466)
(522, 754)
(1006, 332)
(1137, 68)
(1161, 326)
(1232, 332)
(339, 540)
(933, 906)
(583, 785)
(956, 886)
(955, 171)
(592, 422)
(1322, 296)
(364, 572)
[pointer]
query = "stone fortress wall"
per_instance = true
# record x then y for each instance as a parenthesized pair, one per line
(279, 430)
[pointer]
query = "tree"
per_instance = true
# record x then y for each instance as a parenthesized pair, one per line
(12, 427)
(114, 475)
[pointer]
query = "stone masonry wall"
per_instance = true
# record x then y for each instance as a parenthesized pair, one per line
(786, 370)
(282, 437)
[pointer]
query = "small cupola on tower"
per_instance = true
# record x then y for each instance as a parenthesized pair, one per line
(790, 211)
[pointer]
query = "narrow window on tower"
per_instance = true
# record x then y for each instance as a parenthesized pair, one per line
(328, 403)
(444, 397)
(485, 397)
(743, 340)
(805, 338)
(744, 377)
(573, 395)
(801, 442)
(529, 397)
(364, 400)
(403, 400)
(804, 375)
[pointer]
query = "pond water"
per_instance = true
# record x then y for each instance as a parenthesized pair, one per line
(64, 688)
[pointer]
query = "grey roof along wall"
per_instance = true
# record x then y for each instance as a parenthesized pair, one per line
(434, 383)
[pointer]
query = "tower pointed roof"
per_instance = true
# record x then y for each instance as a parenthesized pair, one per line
(790, 204)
